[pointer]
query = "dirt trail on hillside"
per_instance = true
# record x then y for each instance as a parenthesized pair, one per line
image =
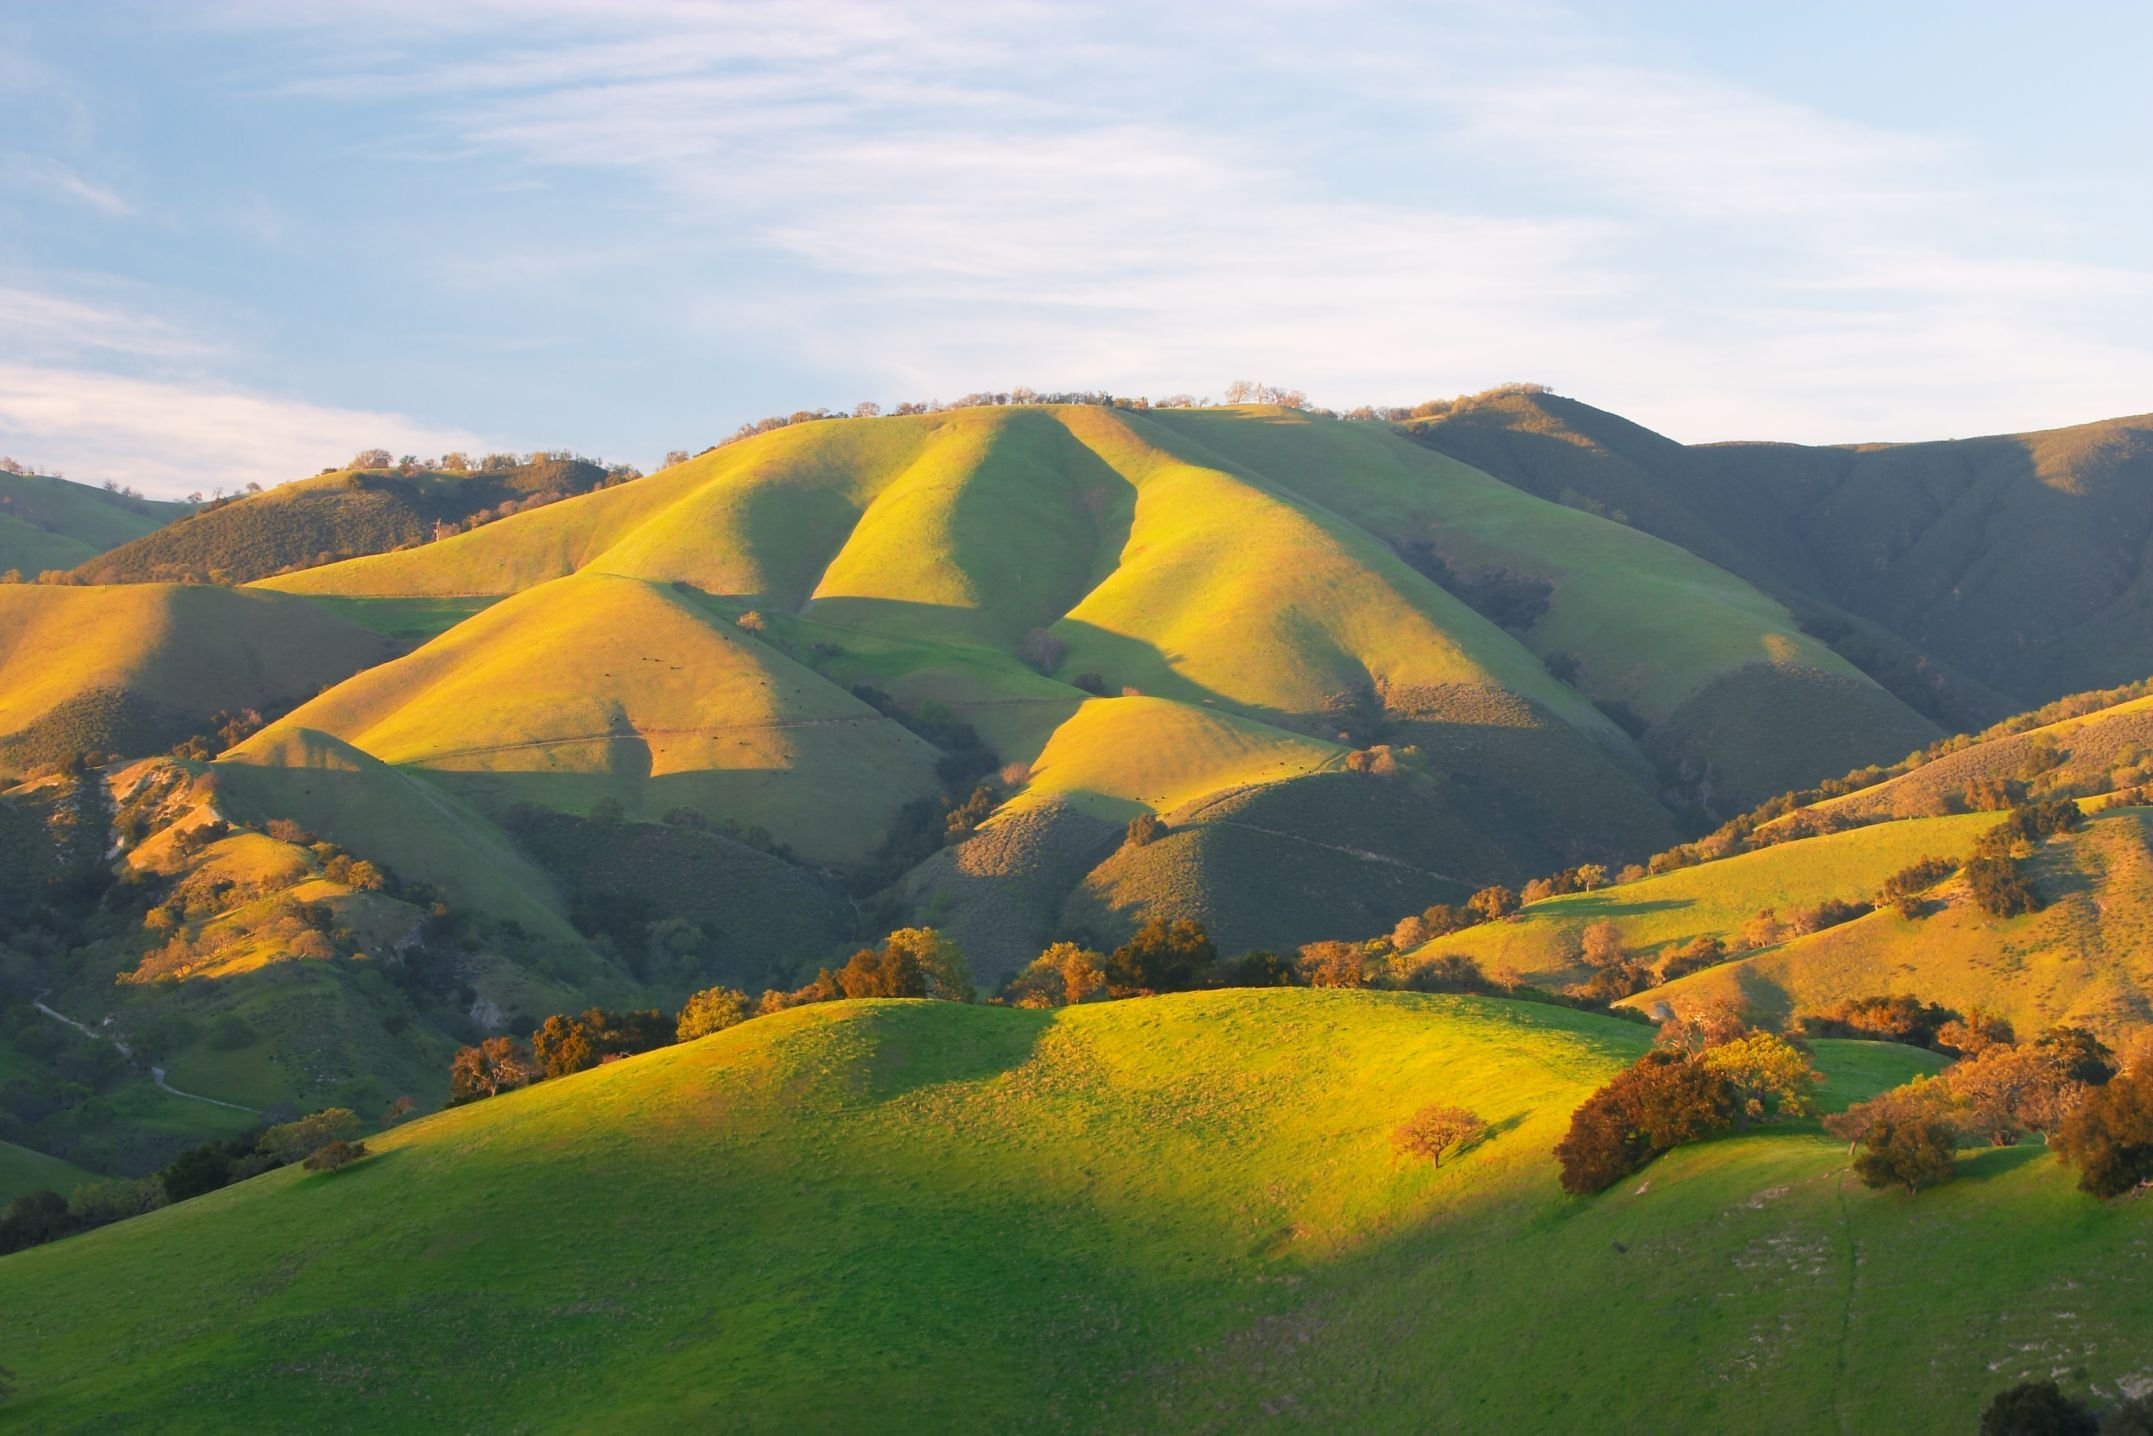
(156, 1073)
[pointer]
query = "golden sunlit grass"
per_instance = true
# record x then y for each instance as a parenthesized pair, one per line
(1146, 1215)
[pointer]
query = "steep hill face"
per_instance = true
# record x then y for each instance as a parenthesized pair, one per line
(329, 517)
(1255, 584)
(1177, 1213)
(49, 524)
(2012, 567)
(133, 670)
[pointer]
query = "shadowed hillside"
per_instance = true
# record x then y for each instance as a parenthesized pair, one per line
(2011, 567)
(50, 524)
(329, 517)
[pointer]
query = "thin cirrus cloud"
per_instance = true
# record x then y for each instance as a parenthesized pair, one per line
(49, 177)
(1372, 202)
(961, 228)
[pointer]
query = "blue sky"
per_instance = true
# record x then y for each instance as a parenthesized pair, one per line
(239, 241)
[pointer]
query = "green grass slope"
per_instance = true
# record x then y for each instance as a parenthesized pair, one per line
(22, 1170)
(1658, 914)
(1247, 629)
(1163, 1215)
(329, 787)
(1730, 689)
(2085, 958)
(48, 523)
(134, 669)
(329, 517)
(599, 687)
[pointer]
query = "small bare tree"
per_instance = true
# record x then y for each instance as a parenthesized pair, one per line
(1438, 1128)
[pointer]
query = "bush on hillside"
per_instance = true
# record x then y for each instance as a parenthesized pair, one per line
(712, 1010)
(1770, 1076)
(1144, 829)
(1042, 650)
(33, 1219)
(1904, 888)
(1697, 955)
(1657, 1103)
(1975, 1033)
(2081, 1055)
(1492, 903)
(1436, 1129)
(1616, 981)
(2037, 1408)
(1899, 1017)
(1162, 956)
(1999, 888)
(2109, 1137)
(1336, 964)
(2007, 1090)
(335, 1156)
(1907, 1151)
(1600, 945)
(293, 1140)
(1829, 913)
(1062, 976)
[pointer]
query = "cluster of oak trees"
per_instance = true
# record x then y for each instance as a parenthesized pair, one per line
(1711, 1072)
(2066, 1086)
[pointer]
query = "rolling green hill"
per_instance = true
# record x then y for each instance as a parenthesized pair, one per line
(22, 1170)
(1234, 576)
(1989, 574)
(132, 670)
(328, 517)
(1179, 1213)
(50, 524)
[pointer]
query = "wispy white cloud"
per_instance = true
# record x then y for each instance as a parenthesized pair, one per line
(40, 322)
(50, 177)
(170, 437)
(1550, 208)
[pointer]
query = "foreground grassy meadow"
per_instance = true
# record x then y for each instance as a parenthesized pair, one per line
(1172, 1213)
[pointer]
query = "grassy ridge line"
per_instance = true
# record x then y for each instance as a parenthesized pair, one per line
(1228, 590)
(2118, 732)
(1172, 1214)
(1953, 546)
(1687, 647)
(1659, 913)
(748, 518)
(2084, 958)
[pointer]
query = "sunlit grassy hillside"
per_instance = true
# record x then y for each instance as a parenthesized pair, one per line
(1180, 1213)
(134, 669)
(2086, 957)
(1725, 683)
(1658, 914)
(1191, 614)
